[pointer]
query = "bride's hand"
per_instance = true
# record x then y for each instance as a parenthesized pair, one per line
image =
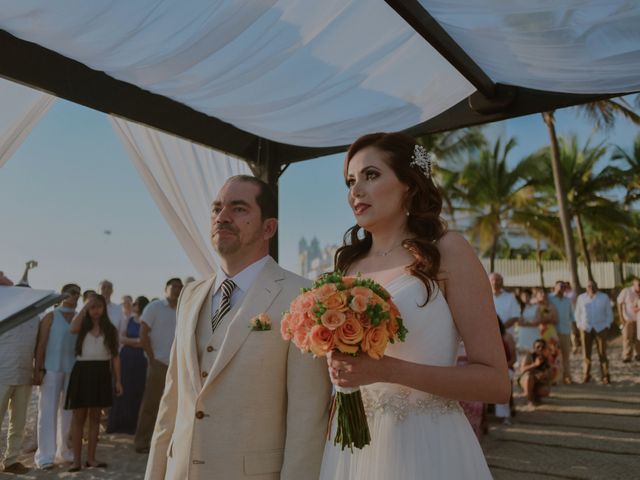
(348, 371)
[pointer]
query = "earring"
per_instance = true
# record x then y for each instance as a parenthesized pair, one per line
(407, 213)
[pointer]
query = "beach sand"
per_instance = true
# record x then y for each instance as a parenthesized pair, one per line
(527, 449)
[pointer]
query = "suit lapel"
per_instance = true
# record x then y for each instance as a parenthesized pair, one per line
(192, 314)
(257, 300)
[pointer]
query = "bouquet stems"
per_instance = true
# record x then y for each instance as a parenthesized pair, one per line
(352, 428)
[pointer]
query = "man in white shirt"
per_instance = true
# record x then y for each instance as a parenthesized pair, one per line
(628, 311)
(157, 331)
(16, 377)
(105, 287)
(240, 402)
(507, 306)
(594, 315)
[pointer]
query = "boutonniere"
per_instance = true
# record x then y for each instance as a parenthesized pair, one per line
(260, 323)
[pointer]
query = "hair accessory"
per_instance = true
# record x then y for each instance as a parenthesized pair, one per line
(422, 159)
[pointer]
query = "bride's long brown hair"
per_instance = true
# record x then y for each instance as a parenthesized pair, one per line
(422, 201)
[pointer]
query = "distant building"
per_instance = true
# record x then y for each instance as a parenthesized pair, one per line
(314, 260)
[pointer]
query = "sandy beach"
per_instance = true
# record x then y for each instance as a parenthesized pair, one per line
(580, 416)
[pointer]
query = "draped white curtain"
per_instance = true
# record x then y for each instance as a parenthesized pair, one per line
(20, 110)
(183, 179)
(573, 46)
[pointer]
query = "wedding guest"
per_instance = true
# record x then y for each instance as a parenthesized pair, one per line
(123, 416)
(528, 322)
(114, 311)
(564, 310)
(535, 374)
(594, 316)
(505, 410)
(16, 377)
(55, 354)
(570, 293)
(91, 380)
(548, 319)
(505, 303)
(127, 306)
(157, 331)
(626, 301)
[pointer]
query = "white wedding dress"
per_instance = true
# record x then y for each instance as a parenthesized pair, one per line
(414, 435)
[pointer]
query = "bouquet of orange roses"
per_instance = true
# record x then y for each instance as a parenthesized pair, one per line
(351, 315)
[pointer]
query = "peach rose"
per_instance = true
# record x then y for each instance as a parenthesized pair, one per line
(285, 328)
(364, 291)
(325, 291)
(301, 339)
(349, 335)
(303, 303)
(375, 341)
(359, 303)
(337, 301)
(320, 340)
(392, 327)
(348, 281)
(332, 319)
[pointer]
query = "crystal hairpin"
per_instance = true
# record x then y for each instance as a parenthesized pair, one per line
(422, 159)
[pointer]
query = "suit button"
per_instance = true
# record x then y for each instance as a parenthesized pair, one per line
(204, 374)
(199, 414)
(210, 349)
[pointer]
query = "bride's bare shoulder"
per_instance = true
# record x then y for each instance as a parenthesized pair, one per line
(455, 252)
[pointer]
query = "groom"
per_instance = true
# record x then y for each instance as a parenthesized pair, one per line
(240, 402)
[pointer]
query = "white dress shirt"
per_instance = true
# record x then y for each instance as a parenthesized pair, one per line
(593, 313)
(628, 298)
(243, 281)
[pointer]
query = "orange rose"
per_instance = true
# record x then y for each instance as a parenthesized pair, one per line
(349, 335)
(337, 301)
(375, 341)
(285, 327)
(325, 291)
(359, 303)
(332, 319)
(320, 340)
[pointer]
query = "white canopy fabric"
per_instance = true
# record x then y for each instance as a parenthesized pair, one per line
(572, 46)
(313, 73)
(297, 71)
(21, 110)
(183, 179)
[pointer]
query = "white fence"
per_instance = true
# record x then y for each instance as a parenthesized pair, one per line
(525, 273)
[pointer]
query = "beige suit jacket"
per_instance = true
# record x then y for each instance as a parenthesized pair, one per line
(261, 410)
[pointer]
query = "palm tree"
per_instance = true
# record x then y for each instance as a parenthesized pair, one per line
(584, 186)
(603, 113)
(632, 175)
(492, 192)
(451, 149)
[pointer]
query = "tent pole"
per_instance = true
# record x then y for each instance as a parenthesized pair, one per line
(267, 168)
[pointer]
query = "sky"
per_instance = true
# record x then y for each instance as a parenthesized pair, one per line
(71, 181)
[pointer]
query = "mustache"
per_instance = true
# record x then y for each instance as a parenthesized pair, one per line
(223, 227)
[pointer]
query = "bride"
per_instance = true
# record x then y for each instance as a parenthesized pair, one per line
(418, 430)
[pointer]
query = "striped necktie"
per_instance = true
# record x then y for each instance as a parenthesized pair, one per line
(227, 288)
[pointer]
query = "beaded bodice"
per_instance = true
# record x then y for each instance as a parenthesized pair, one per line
(432, 340)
